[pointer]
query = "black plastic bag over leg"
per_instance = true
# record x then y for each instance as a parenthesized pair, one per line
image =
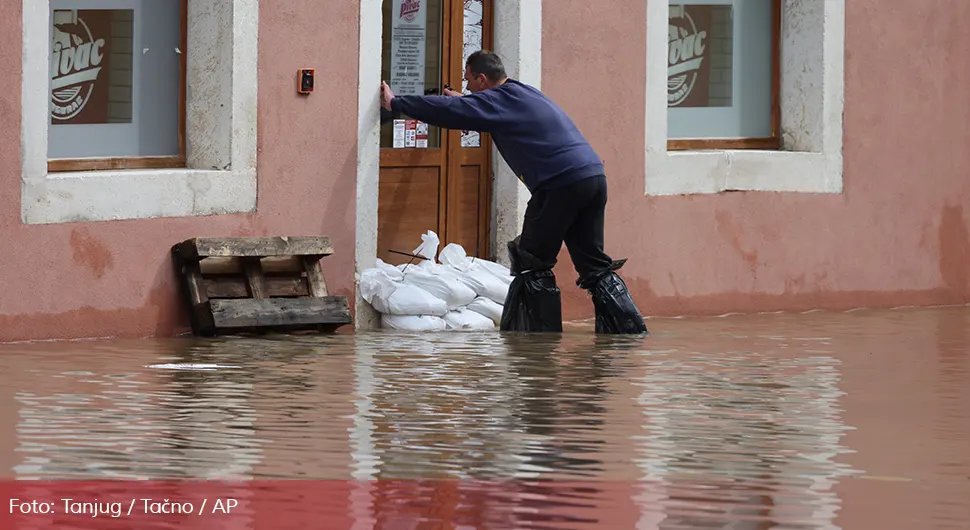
(616, 313)
(533, 302)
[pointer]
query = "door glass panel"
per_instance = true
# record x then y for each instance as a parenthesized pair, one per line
(472, 43)
(412, 66)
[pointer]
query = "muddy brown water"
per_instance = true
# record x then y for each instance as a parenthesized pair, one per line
(857, 420)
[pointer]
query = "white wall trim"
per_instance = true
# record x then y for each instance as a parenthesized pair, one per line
(518, 41)
(221, 137)
(812, 93)
(368, 153)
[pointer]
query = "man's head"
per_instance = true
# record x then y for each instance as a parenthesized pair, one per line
(484, 70)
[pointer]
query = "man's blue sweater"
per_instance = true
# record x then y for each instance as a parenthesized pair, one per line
(535, 137)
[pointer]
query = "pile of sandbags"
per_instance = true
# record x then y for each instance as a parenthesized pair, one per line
(455, 292)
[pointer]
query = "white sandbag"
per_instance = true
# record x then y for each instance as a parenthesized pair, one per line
(393, 272)
(491, 287)
(375, 286)
(472, 282)
(477, 279)
(496, 269)
(454, 255)
(429, 246)
(413, 322)
(488, 308)
(397, 298)
(448, 288)
(463, 320)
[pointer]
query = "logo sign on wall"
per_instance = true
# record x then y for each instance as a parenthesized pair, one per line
(81, 64)
(688, 60)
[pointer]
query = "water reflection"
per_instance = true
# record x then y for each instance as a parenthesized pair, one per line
(771, 421)
(752, 442)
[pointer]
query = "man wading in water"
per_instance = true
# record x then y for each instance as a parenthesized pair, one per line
(567, 181)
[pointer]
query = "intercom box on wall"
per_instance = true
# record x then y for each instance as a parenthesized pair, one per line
(305, 80)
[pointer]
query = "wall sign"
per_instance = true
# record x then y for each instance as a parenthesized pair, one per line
(688, 55)
(409, 28)
(84, 63)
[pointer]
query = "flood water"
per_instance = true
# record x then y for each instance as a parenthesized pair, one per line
(857, 420)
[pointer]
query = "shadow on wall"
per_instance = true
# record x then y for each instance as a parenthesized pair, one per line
(955, 250)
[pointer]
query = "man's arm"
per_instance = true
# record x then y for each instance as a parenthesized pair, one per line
(472, 113)
(387, 115)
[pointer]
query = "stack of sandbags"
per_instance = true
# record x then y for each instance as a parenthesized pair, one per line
(459, 293)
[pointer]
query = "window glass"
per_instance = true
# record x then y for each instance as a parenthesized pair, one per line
(474, 11)
(115, 76)
(719, 66)
(411, 66)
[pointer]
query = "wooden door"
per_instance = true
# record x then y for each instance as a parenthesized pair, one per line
(444, 186)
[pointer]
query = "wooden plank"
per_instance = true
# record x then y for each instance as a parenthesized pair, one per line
(235, 287)
(200, 318)
(701, 144)
(410, 203)
(271, 265)
(411, 157)
(254, 278)
(193, 290)
(314, 275)
(94, 164)
(194, 283)
(270, 312)
(257, 246)
(228, 285)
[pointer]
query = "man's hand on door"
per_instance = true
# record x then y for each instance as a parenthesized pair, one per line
(386, 96)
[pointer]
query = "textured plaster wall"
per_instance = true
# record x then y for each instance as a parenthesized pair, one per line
(897, 235)
(114, 278)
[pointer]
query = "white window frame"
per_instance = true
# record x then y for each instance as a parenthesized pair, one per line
(812, 101)
(221, 141)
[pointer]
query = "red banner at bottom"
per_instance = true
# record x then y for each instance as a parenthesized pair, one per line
(305, 505)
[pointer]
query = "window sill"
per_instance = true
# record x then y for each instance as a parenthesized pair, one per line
(78, 196)
(718, 170)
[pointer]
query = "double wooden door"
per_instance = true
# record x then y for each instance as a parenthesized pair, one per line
(430, 178)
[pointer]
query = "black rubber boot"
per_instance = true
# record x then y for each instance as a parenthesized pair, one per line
(616, 313)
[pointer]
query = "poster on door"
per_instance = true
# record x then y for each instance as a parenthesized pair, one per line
(409, 29)
(410, 133)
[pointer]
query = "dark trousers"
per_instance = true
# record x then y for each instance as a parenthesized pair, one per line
(573, 214)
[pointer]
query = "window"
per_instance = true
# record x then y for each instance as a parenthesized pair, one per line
(697, 144)
(117, 84)
(138, 109)
(721, 61)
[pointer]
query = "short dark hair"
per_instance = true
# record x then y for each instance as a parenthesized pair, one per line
(486, 62)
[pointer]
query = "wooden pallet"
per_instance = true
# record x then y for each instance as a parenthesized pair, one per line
(234, 285)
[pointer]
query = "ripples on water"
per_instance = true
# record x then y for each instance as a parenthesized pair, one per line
(735, 422)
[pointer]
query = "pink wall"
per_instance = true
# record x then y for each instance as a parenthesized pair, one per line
(114, 278)
(897, 236)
